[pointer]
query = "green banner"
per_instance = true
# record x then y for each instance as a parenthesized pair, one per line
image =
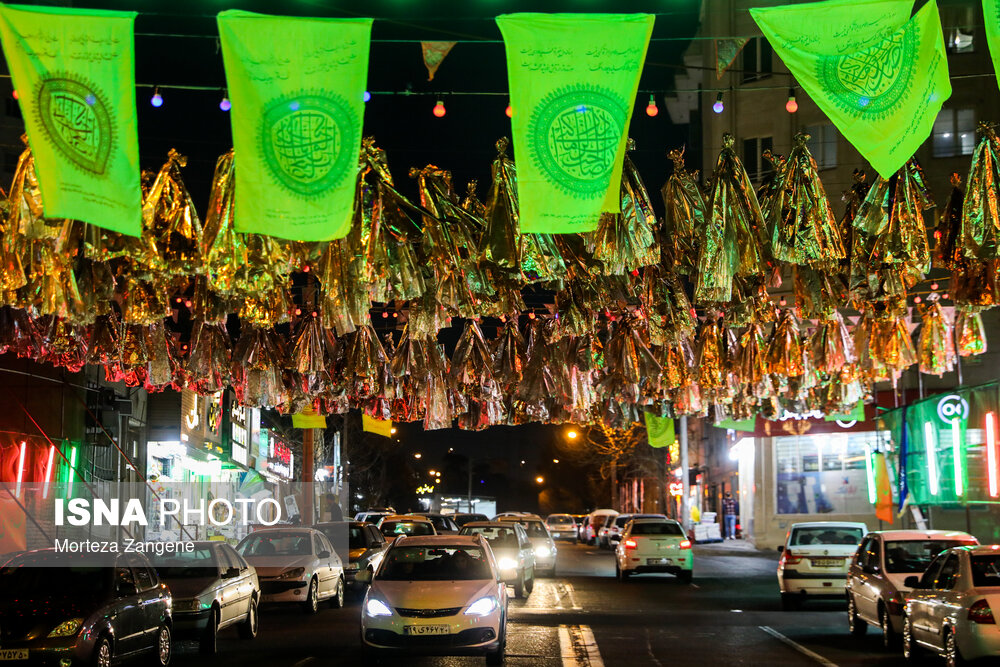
(74, 71)
(659, 430)
(991, 21)
(573, 81)
(297, 88)
(878, 74)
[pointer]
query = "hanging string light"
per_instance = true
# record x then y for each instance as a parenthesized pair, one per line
(156, 100)
(366, 97)
(439, 109)
(791, 106)
(651, 109)
(224, 103)
(509, 111)
(718, 107)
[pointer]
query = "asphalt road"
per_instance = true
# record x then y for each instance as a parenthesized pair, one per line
(729, 615)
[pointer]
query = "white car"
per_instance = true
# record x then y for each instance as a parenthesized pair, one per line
(653, 545)
(594, 522)
(394, 525)
(952, 608)
(876, 580)
(561, 526)
(541, 542)
(815, 558)
(295, 565)
(436, 595)
(616, 526)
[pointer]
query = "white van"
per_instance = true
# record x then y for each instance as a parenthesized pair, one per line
(595, 520)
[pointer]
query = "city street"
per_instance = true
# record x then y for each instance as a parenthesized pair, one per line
(731, 613)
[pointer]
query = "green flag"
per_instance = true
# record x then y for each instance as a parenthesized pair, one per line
(991, 21)
(878, 74)
(74, 71)
(573, 80)
(659, 430)
(297, 88)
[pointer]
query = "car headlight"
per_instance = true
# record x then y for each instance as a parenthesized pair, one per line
(507, 563)
(67, 628)
(375, 607)
(543, 552)
(482, 607)
(295, 573)
(192, 604)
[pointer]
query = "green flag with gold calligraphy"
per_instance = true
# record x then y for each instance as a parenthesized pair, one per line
(879, 74)
(74, 72)
(991, 22)
(659, 430)
(297, 90)
(573, 80)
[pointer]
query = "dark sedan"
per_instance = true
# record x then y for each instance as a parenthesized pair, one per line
(361, 547)
(60, 609)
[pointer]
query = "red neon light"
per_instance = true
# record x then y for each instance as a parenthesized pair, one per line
(20, 469)
(991, 454)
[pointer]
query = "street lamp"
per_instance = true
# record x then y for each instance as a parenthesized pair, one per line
(392, 430)
(555, 460)
(417, 455)
(572, 434)
(433, 472)
(539, 479)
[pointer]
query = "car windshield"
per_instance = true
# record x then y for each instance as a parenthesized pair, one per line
(462, 519)
(915, 555)
(985, 570)
(665, 528)
(559, 518)
(440, 522)
(846, 535)
(276, 544)
(356, 538)
(189, 564)
(534, 528)
(392, 528)
(22, 579)
(435, 563)
(499, 537)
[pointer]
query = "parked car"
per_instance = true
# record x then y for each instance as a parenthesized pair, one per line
(581, 526)
(603, 531)
(653, 545)
(950, 608)
(373, 516)
(56, 608)
(295, 565)
(562, 527)
(443, 523)
(360, 545)
(213, 588)
(876, 579)
(815, 558)
(463, 518)
(595, 521)
(617, 525)
(541, 541)
(394, 525)
(408, 609)
(512, 549)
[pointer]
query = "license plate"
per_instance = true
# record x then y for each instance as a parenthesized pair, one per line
(657, 561)
(13, 654)
(426, 629)
(827, 562)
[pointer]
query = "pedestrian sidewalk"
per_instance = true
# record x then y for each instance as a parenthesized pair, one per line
(733, 547)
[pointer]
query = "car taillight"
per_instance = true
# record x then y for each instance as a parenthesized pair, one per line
(686, 544)
(790, 559)
(980, 612)
(630, 544)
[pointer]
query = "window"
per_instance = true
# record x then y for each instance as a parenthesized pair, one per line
(913, 556)
(823, 474)
(958, 20)
(823, 145)
(753, 157)
(985, 570)
(954, 133)
(757, 60)
(949, 573)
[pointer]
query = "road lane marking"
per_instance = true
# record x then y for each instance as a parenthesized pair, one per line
(568, 593)
(578, 647)
(797, 646)
(304, 661)
(649, 648)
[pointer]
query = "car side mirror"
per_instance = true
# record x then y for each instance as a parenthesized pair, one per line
(781, 547)
(912, 581)
(231, 573)
(324, 554)
(363, 577)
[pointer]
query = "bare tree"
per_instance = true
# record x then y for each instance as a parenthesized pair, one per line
(612, 451)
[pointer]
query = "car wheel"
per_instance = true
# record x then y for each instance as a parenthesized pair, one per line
(162, 649)
(855, 625)
(791, 601)
(102, 653)
(311, 604)
(248, 628)
(909, 646)
(952, 656)
(209, 644)
(889, 638)
(684, 576)
(337, 601)
(519, 585)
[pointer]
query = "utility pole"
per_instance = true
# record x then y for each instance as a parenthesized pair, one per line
(468, 463)
(308, 475)
(685, 478)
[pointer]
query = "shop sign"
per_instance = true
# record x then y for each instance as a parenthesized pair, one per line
(951, 407)
(279, 460)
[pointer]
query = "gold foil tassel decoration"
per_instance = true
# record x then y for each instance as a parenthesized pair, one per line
(784, 351)
(686, 213)
(981, 208)
(832, 344)
(936, 345)
(970, 334)
(169, 216)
